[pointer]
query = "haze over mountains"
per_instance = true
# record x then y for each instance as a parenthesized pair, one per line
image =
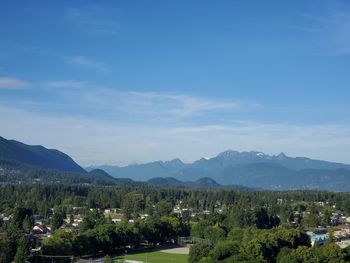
(230, 169)
(22, 163)
(251, 169)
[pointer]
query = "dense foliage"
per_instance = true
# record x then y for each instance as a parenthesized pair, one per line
(13, 172)
(225, 225)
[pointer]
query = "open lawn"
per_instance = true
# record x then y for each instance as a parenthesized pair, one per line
(153, 257)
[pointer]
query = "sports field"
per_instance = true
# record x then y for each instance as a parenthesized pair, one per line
(152, 257)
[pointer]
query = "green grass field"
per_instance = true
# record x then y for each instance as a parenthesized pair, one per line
(154, 257)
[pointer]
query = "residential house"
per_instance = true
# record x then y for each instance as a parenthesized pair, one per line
(318, 236)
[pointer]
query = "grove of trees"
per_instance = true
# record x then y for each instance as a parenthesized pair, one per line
(250, 226)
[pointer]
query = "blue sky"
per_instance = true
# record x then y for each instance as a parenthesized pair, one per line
(135, 81)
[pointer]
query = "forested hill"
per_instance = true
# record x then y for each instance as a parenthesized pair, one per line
(16, 172)
(12, 172)
(201, 183)
(250, 169)
(37, 155)
(231, 169)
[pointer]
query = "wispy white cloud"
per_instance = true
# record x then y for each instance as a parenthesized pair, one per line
(101, 125)
(81, 98)
(179, 105)
(93, 19)
(332, 29)
(160, 106)
(12, 83)
(156, 103)
(66, 84)
(97, 141)
(75, 60)
(88, 63)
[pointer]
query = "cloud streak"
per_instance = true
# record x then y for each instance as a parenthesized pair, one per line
(80, 61)
(180, 105)
(332, 29)
(12, 83)
(88, 63)
(96, 141)
(81, 98)
(100, 125)
(160, 107)
(66, 84)
(93, 19)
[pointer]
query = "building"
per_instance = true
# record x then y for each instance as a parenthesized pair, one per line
(318, 236)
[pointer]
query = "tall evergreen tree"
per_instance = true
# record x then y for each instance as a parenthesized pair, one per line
(21, 253)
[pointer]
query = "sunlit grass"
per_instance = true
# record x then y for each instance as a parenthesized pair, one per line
(153, 257)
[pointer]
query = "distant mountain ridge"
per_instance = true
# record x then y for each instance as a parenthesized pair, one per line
(24, 163)
(204, 183)
(201, 183)
(251, 169)
(38, 156)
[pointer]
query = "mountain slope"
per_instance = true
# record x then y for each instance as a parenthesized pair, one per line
(201, 183)
(16, 172)
(251, 169)
(165, 182)
(278, 177)
(38, 156)
(143, 172)
(235, 159)
(102, 175)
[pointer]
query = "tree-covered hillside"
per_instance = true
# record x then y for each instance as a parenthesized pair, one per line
(37, 155)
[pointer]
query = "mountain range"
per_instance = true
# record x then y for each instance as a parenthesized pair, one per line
(20, 162)
(250, 169)
(202, 183)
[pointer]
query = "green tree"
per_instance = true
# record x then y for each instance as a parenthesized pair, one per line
(224, 250)
(214, 233)
(81, 245)
(11, 238)
(57, 220)
(21, 253)
(310, 221)
(198, 228)
(19, 215)
(236, 234)
(163, 208)
(305, 254)
(198, 252)
(331, 252)
(27, 223)
(170, 227)
(252, 252)
(326, 219)
(150, 230)
(5, 251)
(91, 219)
(286, 256)
(59, 244)
(103, 237)
(107, 259)
(133, 203)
